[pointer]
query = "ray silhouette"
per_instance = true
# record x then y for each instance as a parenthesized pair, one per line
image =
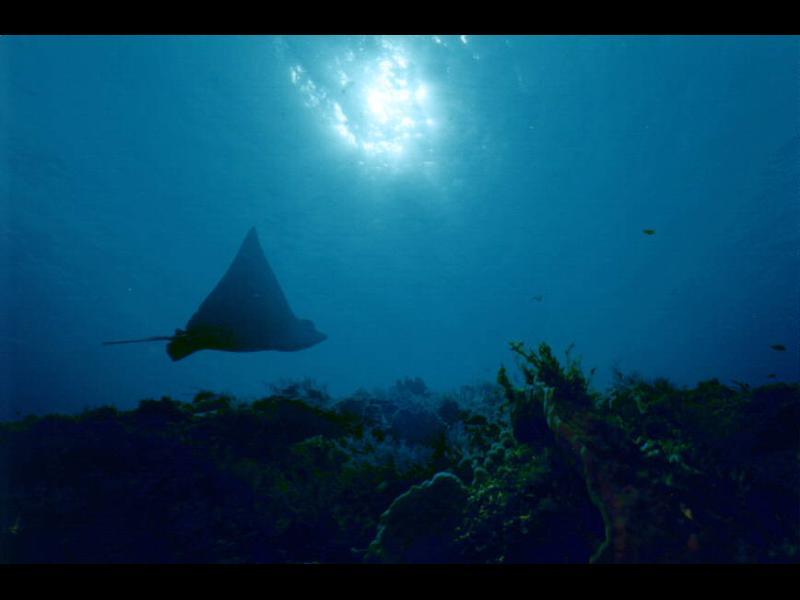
(246, 312)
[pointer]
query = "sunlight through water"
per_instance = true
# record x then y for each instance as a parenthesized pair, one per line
(375, 100)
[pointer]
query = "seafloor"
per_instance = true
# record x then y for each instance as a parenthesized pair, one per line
(549, 471)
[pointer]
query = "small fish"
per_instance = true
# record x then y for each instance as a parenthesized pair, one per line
(687, 512)
(778, 347)
(772, 376)
(591, 372)
(538, 298)
(648, 231)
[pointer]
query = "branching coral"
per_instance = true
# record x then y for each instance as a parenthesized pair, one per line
(569, 411)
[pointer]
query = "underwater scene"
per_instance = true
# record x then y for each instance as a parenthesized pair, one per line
(451, 299)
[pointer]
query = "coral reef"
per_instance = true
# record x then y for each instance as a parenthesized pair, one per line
(545, 470)
(420, 525)
(672, 470)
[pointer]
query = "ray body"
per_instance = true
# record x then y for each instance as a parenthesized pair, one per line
(247, 311)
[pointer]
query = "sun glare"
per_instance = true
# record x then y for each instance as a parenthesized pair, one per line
(374, 101)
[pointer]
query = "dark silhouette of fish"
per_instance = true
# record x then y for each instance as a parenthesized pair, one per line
(772, 376)
(648, 231)
(538, 298)
(778, 347)
(245, 312)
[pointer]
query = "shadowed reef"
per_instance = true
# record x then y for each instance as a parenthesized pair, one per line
(536, 468)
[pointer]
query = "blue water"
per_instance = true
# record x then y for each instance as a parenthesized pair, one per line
(413, 196)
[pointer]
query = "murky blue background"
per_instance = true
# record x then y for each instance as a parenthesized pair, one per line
(413, 195)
